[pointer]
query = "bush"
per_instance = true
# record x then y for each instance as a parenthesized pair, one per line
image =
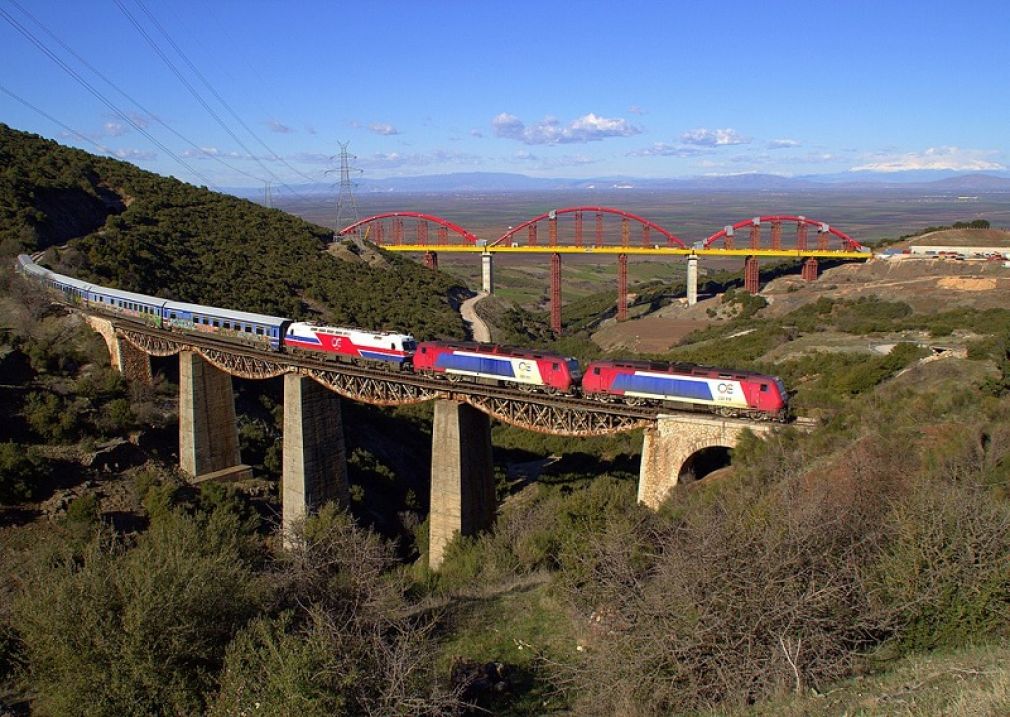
(344, 645)
(140, 631)
(945, 578)
(20, 473)
(51, 417)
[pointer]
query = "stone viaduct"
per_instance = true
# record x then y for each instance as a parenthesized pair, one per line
(462, 483)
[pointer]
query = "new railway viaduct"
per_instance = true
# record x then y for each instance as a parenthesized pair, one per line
(314, 460)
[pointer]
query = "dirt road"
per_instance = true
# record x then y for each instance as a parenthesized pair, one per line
(478, 329)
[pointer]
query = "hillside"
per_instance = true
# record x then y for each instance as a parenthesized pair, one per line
(963, 237)
(113, 223)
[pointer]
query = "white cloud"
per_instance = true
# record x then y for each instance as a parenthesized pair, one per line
(636, 110)
(953, 158)
(114, 129)
(277, 126)
(136, 155)
(713, 137)
(206, 152)
(393, 160)
(476, 133)
(662, 149)
(588, 128)
(383, 128)
(783, 143)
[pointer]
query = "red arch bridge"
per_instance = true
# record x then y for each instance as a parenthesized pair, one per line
(609, 231)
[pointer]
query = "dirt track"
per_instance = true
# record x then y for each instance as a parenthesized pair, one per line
(478, 329)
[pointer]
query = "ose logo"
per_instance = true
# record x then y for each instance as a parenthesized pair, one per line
(335, 342)
(725, 389)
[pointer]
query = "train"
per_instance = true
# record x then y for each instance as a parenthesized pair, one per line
(681, 386)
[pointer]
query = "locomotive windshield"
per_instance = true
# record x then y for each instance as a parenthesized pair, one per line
(409, 345)
(573, 368)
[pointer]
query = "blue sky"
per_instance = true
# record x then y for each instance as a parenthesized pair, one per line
(645, 89)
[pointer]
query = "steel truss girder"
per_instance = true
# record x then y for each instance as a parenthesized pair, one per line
(371, 389)
(559, 420)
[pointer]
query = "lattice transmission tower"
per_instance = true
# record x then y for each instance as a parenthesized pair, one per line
(347, 206)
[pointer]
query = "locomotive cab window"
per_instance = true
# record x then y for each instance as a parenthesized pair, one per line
(764, 388)
(596, 370)
(555, 366)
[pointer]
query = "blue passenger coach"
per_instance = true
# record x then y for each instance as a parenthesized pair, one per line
(253, 329)
(139, 307)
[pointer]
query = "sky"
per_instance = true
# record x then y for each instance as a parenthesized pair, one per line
(240, 93)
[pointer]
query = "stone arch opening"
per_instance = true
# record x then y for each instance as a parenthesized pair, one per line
(704, 462)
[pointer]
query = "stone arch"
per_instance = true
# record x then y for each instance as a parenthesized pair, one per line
(673, 446)
(703, 462)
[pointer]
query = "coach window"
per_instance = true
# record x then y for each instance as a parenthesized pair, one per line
(259, 330)
(554, 367)
(217, 324)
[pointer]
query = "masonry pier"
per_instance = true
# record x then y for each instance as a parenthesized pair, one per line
(314, 458)
(208, 433)
(462, 481)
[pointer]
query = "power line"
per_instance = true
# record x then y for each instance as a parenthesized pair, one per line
(123, 93)
(52, 119)
(206, 83)
(27, 34)
(196, 95)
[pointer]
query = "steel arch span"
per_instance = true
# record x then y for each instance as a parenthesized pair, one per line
(377, 233)
(824, 231)
(598, 213)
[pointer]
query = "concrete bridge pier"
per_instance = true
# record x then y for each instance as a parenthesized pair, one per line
(692, 280)
(314, 459)
(487, 272)
(462, 481)
(208, 433)
(678, 444)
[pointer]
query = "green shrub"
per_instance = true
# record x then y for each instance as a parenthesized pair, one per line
(20, 473)
(945, 578)
(140, 631)
(51, 417)
(83, 511)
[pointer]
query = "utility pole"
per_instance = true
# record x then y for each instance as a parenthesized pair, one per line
(347, 207)
(268, 195)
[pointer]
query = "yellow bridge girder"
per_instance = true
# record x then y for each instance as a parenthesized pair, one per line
(637, 250)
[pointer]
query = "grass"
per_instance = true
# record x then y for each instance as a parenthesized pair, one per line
(974, 682)
(521, 626)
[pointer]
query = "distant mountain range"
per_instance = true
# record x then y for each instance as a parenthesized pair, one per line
(467, 182)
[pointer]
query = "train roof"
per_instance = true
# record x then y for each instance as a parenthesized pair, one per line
(692, 368)
(326, 328)
(127, 295)
(29, 265)
(496, 349)
(246, 316)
